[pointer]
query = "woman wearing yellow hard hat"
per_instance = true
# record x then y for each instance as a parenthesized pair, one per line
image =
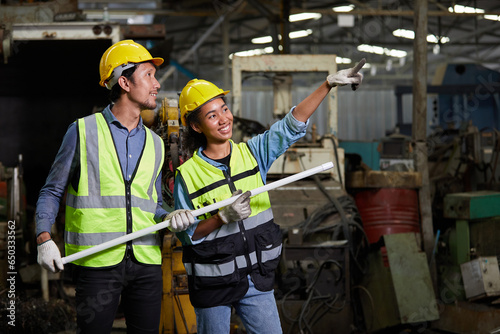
(230, 256)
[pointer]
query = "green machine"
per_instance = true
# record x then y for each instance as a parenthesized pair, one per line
(477, 219)
(474, 236)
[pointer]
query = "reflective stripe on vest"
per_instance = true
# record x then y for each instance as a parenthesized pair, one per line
(213, 270)
(98, 211)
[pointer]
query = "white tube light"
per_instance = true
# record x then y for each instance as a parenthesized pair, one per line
(410, 34)
(464, 9)
(343, 9)
(382, 51)
(254, 52)
(304, 16)
(292, 35)
(300, 33)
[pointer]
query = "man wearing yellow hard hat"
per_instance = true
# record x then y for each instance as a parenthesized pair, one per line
(109, 164)
(230, 255)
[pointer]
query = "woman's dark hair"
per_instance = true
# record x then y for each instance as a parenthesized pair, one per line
(192, 140)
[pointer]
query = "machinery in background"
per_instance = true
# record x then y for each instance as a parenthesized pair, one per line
(464, 149)
(12, 221)
(469, 279)
(361, 155)
(170, 131)
(396, 289)
(396, 153)
(465, 179)
(280, 68)
(482, 149)
(462, 160)
(481, 278)
(307, 154)
(177, 314)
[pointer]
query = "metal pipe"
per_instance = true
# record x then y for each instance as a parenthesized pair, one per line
(202, 39)
(196, 213)
(207, 33)
(44, 283)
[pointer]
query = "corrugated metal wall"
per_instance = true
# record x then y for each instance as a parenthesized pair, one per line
(364, 115)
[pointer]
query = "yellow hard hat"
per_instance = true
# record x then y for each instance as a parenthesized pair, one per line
(195, 94)
(120, 56)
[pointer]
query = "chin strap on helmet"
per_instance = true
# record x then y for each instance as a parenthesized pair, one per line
(116, 74)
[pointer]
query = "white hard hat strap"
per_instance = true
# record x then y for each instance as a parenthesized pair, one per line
(117, 73)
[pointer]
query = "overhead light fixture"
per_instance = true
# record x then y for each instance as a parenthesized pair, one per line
(410, 34)
(382, 51)
(464, 9)
(262, 40)
(255, 52)
(300, 33)
(341, 60)
(292, 35)
(343, 9)
(434, 39)
(344, 20)
(304, 16)
(492, 17)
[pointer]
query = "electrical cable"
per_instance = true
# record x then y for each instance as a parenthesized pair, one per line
(335, 151)
(344, 220)
(283, 303)
(372, 303)
(302, 321)
(328, 309)
(316, 306)
(336, 203)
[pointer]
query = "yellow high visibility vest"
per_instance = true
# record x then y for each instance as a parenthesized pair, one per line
(217, 268)
(105, 206)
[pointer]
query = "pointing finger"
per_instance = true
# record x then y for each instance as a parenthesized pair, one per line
(358, 66)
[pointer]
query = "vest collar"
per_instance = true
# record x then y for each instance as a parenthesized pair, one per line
(213, 162)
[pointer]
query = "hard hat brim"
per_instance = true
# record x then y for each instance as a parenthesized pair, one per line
(157, 61)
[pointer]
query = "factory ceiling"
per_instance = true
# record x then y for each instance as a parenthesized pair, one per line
(203, 34)
(465, 31)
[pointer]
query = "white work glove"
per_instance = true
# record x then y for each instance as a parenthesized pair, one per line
(349, 76)
(238, 210)
(180, 220)
(49, 256)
